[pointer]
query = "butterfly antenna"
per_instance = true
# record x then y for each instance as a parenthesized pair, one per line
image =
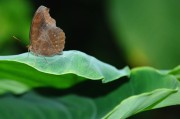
(16, 38)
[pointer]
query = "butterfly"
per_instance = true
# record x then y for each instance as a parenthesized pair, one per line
(45, 38)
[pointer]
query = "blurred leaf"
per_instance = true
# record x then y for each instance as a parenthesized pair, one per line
(33, 106)
(147, 30)
(60, 71)
(15, 21)
(12, 86)
(176, 72)
(147, 89)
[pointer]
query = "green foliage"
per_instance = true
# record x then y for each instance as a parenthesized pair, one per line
(176, 72)
(60, 71)
(145, 89)
(147, 30)
(15, 21)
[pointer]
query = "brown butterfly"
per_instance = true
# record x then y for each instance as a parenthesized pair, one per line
(45, 38)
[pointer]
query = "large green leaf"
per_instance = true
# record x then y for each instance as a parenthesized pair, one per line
(60, 71)
(147, 89)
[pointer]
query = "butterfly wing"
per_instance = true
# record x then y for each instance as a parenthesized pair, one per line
(57, 40)
(46, 39)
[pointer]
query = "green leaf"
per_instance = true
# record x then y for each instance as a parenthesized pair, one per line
(79, 107)
(147, 89)
(60, 71)
(12, 86)
(138, 103)
(32, 106)
(143, 84)
(176, 72)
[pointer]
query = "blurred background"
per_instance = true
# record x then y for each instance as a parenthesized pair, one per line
(118, 32)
